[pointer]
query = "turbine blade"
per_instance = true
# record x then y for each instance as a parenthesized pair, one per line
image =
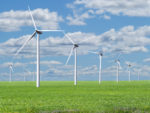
(119, 55)
(93, 52)
(51, 30)
(32, 18)
(69, 38)
(119, 65)
(25, 43)
(69, 55)
(11, 68)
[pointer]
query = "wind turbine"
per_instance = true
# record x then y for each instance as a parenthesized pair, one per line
(38, 33)
(129, 72)
(118, 67)
(74, 48)
(11, 71)
(100, 54)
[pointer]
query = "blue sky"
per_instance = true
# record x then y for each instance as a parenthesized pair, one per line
(100, 25)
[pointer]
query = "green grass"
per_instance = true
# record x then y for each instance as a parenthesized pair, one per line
(62, 97)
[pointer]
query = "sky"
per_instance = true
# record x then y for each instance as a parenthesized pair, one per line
(116, 28)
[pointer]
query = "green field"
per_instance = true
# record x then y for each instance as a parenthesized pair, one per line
(62, 97)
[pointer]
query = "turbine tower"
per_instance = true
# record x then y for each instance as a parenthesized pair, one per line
(100, 54)
(118, 67)
(129, 72)
(38, 33)
(11, 71)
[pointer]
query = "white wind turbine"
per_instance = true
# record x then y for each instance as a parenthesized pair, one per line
(74, 48)
(139, 74)
(10, 71)
(100, 54)
(118, 67)
(38, 33)
(129, 72)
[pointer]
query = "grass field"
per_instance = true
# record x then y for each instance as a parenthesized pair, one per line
(62, 97)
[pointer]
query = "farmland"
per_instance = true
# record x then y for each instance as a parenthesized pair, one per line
(63, 96)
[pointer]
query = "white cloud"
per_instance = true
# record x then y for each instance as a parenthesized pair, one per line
(147, 60)
(78, 18)
(52, 62)
(126, 39)
(116, 7)
(106, 8)
(16, 64)
(14, 20)
(106, 17)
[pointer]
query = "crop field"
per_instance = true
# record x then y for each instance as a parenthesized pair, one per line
(64, 97)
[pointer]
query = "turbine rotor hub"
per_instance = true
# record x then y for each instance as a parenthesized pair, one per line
(76, 45)
(38, 32)
(117, 60)
(101, 54)
(129, 65)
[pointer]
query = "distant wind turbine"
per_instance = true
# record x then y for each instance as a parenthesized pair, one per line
(100, 54)
(118, 67)
(38, 33)
(11, 71)
(129, 72)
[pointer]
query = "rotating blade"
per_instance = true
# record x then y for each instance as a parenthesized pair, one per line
(69, 38)
(32, 18)
(69, 55)
(25, 43)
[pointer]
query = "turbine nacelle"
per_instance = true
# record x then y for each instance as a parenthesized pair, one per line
(76, 45)
(38, 32)
(117, 61)
(100, 53)
(129, 65)
(11, 67)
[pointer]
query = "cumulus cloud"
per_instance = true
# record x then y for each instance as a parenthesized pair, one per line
(14, 20)
(115, 7)
(126, 39)
(52, 62)
(147, 60)
(106, 8)
(78, 17)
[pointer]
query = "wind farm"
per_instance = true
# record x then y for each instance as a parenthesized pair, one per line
(77, 56)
